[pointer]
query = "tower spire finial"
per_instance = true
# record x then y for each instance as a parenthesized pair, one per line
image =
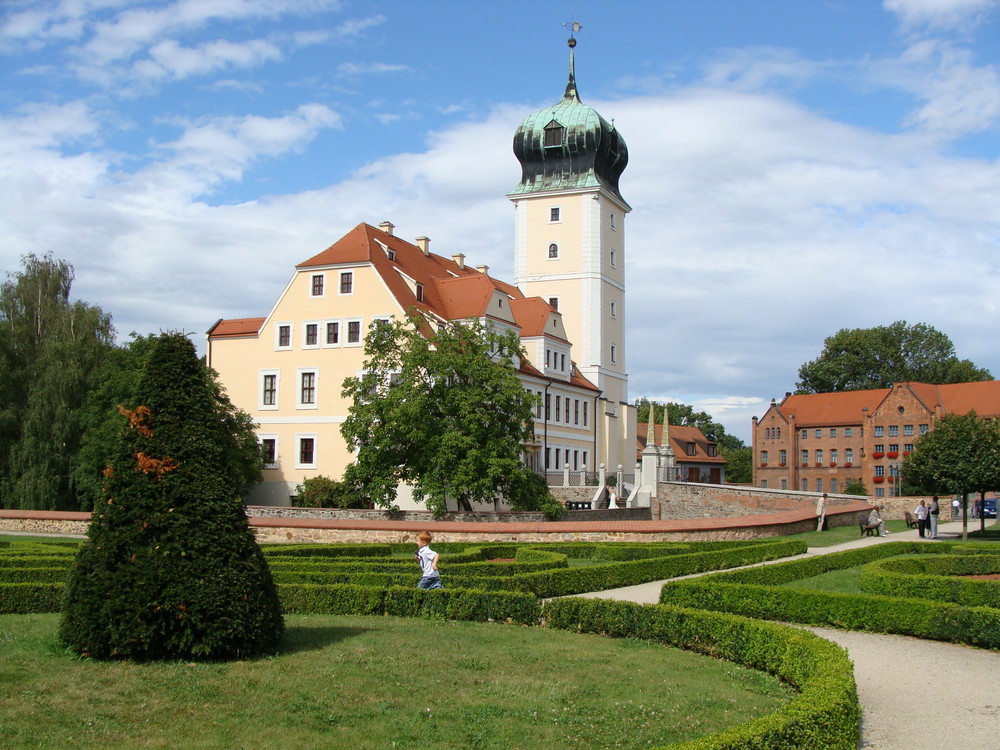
(571, 92)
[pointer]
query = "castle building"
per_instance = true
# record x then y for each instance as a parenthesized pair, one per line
(286, 369)
(819, 442)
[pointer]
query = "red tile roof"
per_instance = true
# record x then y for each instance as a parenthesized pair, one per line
(680, 437)
(236, 327)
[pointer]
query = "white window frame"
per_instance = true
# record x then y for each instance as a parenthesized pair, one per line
(556, 305)
(299, 373)
(558, 214)
(261, 437)
(261, 375)
(548, 251)
(312, 285)
(299, 437)
(340, 284)
(340, 333)
(305, 333)
(345, 330)
(277, 336)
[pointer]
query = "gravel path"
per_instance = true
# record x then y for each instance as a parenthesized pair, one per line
(915, 694)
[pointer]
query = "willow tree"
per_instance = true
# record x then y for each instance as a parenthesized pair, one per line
(171, 569)
(50, 350)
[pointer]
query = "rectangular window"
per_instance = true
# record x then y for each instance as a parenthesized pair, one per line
(346, 282)
(879, 448)
(307, 388)
(269, 390)
(847, 432)
(538, 405)
(784, 484)
(614, 309)
(284, 335)
(420, 292)
(584, 413)
(907, 447)
(880, 471)
(833, 456)
(763, 484)
(805, 434)
(692, 449)
(562, 362)
(712, 450)
(269, 451)
(833, 485)
(612, 219)
(819, 457)
(782, 456)
(558, 401)
(805, 485)
(819, 485)
(553, 214)
(614, 354)
(879, 431)
(879, 492)
(576, 411)
(548, 406)
(554, 303)
(312, 334)
(317, 285)
(333, 333)
(923, 429)
(306, 453)
(907, 429)
(614, 258)
(763, 457)
(805, 456)
(894, 430)
(894, 447)
(353, 331)
(849, 455)
(819, 433)
(833, 432)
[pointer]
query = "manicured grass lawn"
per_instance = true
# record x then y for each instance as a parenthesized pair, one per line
(841, 534)
(361, 682)
(846, 581)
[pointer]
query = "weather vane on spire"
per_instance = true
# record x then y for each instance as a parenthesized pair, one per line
(573, 27)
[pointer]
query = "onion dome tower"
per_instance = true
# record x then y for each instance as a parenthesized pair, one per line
(570, 244)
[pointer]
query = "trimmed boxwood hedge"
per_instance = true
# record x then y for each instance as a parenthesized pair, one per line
(825, 713)
(937, 577)
(754, 592)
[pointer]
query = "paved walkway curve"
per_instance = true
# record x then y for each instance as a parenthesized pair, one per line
(915, 694)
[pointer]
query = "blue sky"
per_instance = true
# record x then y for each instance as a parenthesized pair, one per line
(795, 167)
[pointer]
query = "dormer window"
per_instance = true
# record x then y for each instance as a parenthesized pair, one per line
(390, 253)
(420, 292)
(554, 133)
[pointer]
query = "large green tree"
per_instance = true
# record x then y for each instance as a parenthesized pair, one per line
(442, 409)
(50, 350)
(171, 569)
(960, 455)
(857, 359)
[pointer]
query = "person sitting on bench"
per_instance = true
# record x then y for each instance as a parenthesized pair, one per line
(875, 521)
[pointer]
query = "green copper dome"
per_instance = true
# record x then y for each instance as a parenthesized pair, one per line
(568, 145)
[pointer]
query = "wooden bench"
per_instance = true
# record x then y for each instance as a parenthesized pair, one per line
(867, 530)
(911, 521)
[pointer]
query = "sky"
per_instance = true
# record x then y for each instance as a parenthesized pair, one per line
(795, 168)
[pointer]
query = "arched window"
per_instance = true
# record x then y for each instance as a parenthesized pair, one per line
(553, 250)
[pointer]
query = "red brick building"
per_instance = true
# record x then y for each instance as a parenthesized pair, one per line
(819, 442)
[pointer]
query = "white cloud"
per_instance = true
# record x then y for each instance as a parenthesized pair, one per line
(940, 14)
(359, 69)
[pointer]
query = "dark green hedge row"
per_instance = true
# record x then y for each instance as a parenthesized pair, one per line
(453, 604)
(825, 714)
(38, 574)
(326, 550)
(937, 577)
(29, 598)
(755, 593)
(570, 581)
(28, 560)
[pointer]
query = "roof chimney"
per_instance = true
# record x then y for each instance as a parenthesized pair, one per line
(459, 259)
(484, 269)
(424, 243)
(387, 227)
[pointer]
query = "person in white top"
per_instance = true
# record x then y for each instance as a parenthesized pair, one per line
(921, 513)
(612, 499)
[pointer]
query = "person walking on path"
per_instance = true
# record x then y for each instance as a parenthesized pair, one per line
(921, 513)
(932, 516)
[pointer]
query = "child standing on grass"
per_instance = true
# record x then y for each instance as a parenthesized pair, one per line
(428, 560)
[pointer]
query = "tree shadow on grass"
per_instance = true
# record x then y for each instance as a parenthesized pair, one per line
(300, 638)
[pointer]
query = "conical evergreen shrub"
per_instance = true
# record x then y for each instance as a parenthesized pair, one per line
(171, 568)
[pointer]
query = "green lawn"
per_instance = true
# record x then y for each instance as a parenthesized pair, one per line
(378, 683)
